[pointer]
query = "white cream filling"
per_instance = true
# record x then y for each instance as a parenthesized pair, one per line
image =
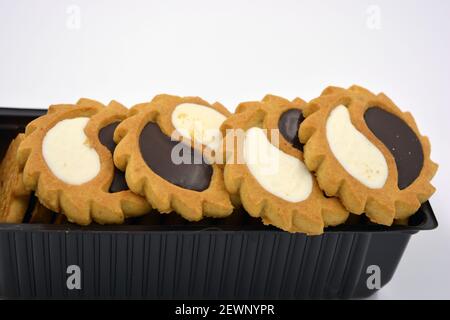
(359, 157)
(67, 153)
(280, 174)
(198, 123)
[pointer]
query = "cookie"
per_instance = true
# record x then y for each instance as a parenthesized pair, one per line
(66, 158)
(366, 151)
(14, 197)
(166, 153)
(265, 170)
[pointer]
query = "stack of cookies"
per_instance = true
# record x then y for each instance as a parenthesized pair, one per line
(298, 166)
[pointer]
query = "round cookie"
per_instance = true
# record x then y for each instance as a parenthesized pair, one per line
(264, 168)
(164, 149)
(66, 158)
(14, 197)
(366, 151)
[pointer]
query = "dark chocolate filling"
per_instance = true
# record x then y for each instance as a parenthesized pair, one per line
(156, 150)
(106, 138)
(401, 141)
(288, 124)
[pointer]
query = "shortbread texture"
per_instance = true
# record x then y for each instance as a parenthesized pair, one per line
(163, 195)
(311, 214)
(14, 197)
(383, 201)
(91, 200)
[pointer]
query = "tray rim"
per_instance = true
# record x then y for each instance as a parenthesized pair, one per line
(430, 223)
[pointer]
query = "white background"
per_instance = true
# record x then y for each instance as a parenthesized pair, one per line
(232, 51)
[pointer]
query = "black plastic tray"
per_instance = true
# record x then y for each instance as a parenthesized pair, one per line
(213, 259)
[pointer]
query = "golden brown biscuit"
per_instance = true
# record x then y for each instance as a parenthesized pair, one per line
(172, 176)
(14, 197)
(366, 151)
(69, 168)
(288, 196)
